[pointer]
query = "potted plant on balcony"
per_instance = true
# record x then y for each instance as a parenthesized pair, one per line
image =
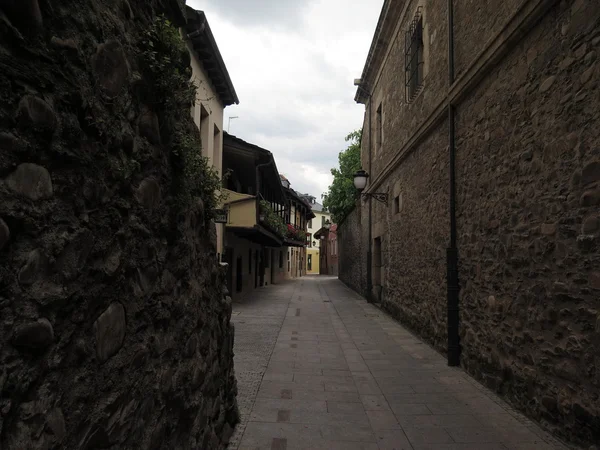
(295, 234)
(271, 219)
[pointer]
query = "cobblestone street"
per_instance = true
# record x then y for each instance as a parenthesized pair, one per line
(320, 368)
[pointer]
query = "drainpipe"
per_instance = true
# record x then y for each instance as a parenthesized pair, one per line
(452, 251)
(370, 238)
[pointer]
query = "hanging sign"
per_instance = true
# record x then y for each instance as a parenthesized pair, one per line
(220, 216)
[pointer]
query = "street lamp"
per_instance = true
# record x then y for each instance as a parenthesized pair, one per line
(360, 182)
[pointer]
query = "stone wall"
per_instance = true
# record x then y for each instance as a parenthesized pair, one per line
(528, 196)
(398, 115)
(528, 173)
(114, 327)
(414, 239)
(352, 255)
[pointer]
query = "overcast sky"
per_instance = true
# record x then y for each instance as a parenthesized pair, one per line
(292, 63)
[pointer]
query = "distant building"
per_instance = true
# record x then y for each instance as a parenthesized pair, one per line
(300, 213)
(266, 221)
(314, 244)
(328, 251)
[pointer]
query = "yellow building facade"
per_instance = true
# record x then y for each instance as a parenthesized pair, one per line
(314, 245)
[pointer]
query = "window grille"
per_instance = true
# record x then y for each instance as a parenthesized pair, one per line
(413, 56)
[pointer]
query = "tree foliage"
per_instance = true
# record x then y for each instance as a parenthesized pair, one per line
(341, 196)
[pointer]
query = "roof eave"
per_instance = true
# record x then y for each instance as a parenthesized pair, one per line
(385, 26)
(198, 26)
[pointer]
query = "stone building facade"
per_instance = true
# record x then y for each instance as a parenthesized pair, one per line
(522, 81)
(114, 328)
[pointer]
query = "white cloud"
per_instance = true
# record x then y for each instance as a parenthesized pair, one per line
(293, 68)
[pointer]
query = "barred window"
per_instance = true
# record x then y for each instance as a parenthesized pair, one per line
(413, 56)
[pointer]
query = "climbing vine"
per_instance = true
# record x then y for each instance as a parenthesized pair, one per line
(166, 86)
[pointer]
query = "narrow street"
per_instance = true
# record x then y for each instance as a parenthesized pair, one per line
(319, 368)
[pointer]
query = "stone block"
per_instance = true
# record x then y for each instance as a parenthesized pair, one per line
(55, 422)
(35, 112)
(111, 68)
(548, 229)
(590, 225)
(66, 44)
(31, 181)
(590, 173)
(4, 234)
(74, 257)
(34, 335)
(547, 84)
(110, 331)
(148, 193)
(148, 125)
(590, 198)
(34, 267)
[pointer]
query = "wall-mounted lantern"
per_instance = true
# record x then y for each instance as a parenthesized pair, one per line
(360, 182)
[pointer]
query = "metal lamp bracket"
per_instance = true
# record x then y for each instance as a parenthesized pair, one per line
(381, 197)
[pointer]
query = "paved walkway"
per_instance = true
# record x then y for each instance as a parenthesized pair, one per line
(319, 368)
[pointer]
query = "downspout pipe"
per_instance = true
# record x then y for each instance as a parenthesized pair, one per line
(370, 200)
(258, 167)
(452, 251)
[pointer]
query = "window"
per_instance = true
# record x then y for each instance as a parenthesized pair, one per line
(217, 149)
(250, 261)
(309, 262)
(413, 56)
(281, 259)
(310, 223)
(379, 125)
(309, 238)
(205, 134)
(322, 221)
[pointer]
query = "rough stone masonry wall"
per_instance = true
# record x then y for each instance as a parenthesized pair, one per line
(398, 114)
(114, 331)
(414, 239)
(528, 177)
(351, 252)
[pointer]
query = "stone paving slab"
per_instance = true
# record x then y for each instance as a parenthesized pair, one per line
(323, 369)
